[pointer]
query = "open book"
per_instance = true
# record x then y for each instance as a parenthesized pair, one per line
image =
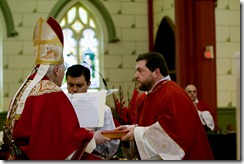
(89, 107)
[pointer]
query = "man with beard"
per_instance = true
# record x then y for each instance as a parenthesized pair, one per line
(168, 127)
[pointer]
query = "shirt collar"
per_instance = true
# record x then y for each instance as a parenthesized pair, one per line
(163, 78)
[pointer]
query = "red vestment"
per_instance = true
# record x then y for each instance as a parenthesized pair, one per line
(169, 105)
(202, 106)
(48, 128)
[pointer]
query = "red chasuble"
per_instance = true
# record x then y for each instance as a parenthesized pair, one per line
(48, 128)
(202, 106)
(169, 105)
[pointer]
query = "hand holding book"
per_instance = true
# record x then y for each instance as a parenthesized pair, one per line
(114, 134)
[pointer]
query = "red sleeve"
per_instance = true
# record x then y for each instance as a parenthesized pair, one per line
(202, 106)
(48, 127)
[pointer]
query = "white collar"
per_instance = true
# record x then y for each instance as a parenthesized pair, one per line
(163, 78)
(196, 100)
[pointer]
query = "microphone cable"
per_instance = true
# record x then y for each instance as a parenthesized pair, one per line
(104, 81)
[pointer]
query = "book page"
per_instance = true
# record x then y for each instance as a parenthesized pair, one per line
(89, 108)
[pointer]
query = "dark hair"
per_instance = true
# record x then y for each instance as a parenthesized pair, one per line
(77, 70)
(154, 60)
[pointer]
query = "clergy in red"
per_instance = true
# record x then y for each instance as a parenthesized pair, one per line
(169, 127)
(41, 123)
(48, 128)
(205, 113)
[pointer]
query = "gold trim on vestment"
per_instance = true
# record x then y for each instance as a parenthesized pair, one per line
(159, 86)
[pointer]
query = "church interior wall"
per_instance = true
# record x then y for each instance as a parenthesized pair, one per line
(130, 20)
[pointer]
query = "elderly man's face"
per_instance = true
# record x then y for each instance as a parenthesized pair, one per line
(192, 92)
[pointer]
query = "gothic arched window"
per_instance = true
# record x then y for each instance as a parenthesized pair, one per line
(82, 41)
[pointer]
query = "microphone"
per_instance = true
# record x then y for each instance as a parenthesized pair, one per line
(104, 82)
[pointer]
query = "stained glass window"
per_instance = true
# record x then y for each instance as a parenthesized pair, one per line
(81, 42)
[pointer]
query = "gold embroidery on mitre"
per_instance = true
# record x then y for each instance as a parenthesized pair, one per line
(48, 49)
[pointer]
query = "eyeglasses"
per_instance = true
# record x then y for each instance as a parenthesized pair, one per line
(194, 91)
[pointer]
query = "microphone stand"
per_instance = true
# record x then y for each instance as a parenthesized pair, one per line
(104, 82)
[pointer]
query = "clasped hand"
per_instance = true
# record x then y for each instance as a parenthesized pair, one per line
(99, 138)
(130, 135)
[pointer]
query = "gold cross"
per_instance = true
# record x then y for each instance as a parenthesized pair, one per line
(164, 146)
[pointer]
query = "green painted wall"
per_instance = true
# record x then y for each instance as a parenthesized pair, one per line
(226, 116)
(2, 119)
